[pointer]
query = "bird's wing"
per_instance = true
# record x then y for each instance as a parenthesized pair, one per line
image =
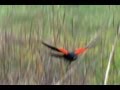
(62, 50)
(80, 51)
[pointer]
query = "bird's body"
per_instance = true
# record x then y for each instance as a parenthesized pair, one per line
(69, 56)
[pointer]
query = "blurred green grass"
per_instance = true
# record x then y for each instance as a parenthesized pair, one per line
(28, 62)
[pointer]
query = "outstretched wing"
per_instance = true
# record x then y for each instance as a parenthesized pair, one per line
(80, 51)
(62, 50)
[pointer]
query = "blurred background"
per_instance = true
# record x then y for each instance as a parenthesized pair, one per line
(25, 61)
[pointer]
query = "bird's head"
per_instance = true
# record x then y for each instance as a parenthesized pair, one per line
(73, 55)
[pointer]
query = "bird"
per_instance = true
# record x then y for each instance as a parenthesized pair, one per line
(69, 56)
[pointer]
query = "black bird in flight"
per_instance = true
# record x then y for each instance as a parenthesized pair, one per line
(69, 56)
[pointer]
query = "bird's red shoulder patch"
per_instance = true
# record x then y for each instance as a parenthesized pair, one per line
(80, 51)
(64, 51)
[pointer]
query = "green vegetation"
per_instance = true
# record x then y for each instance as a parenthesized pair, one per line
(23, 60)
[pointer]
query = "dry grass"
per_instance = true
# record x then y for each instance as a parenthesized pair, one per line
(24, 60)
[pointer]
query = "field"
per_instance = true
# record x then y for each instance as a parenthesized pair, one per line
(25, 61)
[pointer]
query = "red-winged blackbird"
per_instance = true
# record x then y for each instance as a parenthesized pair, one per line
(70, 56)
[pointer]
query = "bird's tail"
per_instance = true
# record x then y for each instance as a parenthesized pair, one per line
(56, 55)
